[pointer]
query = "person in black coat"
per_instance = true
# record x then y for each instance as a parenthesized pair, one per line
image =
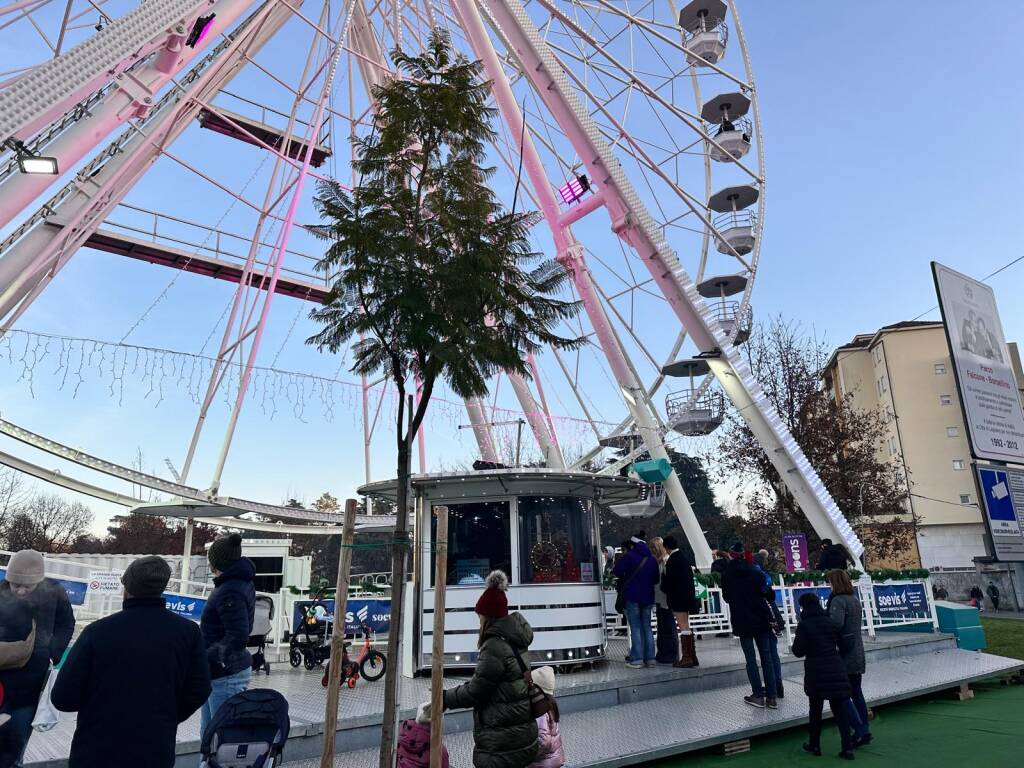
(833, 556)
(26, 585)
(677, 584)
(226, 623)
(142, 668)
(821, 644)
(751, 618)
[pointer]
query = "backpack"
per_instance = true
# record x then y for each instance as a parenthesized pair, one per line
(414, 746)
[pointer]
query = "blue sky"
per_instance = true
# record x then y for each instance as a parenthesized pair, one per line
(892, 136)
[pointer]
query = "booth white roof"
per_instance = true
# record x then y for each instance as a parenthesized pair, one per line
(606, 489)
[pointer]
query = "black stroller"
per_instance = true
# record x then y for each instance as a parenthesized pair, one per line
(262, 624)
(248, 731)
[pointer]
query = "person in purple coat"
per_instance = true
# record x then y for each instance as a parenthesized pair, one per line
(638, 573)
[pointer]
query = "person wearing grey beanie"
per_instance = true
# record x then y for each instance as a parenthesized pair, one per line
(227, 621)
(25, 585)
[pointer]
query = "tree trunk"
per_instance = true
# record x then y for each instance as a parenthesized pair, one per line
(399, 550)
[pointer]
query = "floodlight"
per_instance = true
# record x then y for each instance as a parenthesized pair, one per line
(30, 161)
(199, 30)
(575, 189)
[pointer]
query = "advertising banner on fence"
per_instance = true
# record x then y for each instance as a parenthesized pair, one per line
(1002, 492)
(901, 601)
(981, 362)
(374, 613)
(75, 589)
(794, 546)
(186, 606)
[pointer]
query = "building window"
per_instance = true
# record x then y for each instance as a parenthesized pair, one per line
(479, 542)
(965, 498)
(892, 446)
(945, 399)
(878, 386)
(952, 432)
(940, 368)
(885, 385)
(556, 540)
(269, 573)
(958, 464)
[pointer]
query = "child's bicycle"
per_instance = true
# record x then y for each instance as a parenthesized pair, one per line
(371, 663)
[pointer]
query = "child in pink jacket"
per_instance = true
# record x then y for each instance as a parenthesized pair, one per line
(549, 738)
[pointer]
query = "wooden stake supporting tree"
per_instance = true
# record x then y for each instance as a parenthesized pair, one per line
(437, 650)
(338, 635)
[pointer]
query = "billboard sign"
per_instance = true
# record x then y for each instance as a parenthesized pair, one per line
(376, 614)
(794, 547)
(1002, 492)
(988, 388)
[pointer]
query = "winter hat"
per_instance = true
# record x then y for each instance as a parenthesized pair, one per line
(736, 552)
(544, 677)
(147, 577)
(224, 551)
(26, 567)
(493, 604)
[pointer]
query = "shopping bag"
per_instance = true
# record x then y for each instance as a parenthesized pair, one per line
(46, 714)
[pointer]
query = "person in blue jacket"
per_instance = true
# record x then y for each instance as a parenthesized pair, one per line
(226, 623)
(638, 573)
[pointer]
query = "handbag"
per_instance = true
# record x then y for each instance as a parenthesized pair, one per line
(540, 702)
(46, 714)
(620, 598)
(14, 654)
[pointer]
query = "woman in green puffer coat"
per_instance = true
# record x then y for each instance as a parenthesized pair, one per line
(504, 729)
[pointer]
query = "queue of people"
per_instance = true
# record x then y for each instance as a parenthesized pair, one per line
(143, 667)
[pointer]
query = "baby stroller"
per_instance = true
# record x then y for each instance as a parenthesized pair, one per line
(262, 624)
(248, 731)
(310, 644)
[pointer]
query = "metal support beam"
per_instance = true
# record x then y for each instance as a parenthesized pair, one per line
(570, 253)
(634, 224)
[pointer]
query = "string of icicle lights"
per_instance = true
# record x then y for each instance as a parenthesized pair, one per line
(75, 362)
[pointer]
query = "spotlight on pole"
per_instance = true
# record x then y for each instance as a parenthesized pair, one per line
(575, 189)
(200, 30)
(30, 161)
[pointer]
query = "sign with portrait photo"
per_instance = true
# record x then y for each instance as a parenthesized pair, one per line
(981, 362)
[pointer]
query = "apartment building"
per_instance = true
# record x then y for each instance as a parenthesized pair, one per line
(905, 371)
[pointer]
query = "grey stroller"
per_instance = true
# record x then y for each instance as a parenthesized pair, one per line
(262, 624)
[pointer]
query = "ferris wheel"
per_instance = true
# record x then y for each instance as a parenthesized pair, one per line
(631, 126)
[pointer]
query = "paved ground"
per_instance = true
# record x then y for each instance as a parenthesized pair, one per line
(928, 732)
(635, 733)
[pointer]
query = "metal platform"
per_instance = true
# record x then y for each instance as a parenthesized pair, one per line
(600, 704)
(290, 283)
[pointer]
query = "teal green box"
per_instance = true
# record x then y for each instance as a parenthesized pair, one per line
(971, 639)
(954, 616)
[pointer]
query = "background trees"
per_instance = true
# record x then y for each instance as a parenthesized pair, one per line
(841, 442)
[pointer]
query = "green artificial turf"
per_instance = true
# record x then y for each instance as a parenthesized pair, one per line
(1005, 637)
(929, 732)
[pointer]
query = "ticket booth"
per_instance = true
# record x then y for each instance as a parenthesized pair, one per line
(540, 527)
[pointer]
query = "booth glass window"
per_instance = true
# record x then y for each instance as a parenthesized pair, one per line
(479, 541)
(556, 540)
(269, 573)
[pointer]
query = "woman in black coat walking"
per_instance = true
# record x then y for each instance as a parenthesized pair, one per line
(821, 644)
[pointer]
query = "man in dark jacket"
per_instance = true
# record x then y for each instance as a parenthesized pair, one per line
(26, 585)
(226, 623)
(833, 556)
(504, 729)
(751, 618)
(142, 668)
(638, 572)
(819, 640)
(993, 594)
